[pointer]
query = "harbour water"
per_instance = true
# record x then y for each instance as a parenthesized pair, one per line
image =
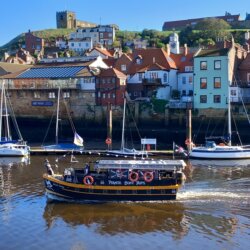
(212, 211)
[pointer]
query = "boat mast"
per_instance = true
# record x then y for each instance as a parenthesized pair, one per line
(123, 123)
(229, 115)
(57, 114)
(1, 112)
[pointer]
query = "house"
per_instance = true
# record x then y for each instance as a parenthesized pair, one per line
(101, 34)
(102, 52)
(151, 72)
(214, 71)
(80, 45)
(34, 90)
(61, 43)
(8, 68)
(110, 87)
(33, 44)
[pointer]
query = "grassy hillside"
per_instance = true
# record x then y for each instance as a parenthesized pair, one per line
(48, 34)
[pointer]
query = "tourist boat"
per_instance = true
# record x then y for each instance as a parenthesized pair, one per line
(222, 151)
(117, 180)
(8, 146)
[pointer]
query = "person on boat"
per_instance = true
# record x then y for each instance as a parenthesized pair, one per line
(48, 167)
(86, 169)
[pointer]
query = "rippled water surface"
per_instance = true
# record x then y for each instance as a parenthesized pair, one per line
(212, 211)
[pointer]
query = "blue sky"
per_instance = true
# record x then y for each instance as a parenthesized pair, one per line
(18, 16)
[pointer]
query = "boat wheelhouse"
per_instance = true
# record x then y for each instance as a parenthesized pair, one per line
(117, 180)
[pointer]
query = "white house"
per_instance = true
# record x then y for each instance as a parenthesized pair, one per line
(80, 45)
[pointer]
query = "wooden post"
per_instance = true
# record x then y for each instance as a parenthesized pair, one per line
(189, 127)
(109, 124)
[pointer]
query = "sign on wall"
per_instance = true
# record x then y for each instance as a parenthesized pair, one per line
(42, 103)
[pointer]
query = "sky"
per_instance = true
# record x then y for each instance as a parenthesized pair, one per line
(18, 16)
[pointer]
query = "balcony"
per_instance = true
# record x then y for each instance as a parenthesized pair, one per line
(151, 82)
(178, 104)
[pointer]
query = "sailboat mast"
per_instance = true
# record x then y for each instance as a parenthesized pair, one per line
(6, 117)
(229, 115)
(57, 114)
(1, 111)
(123, 123)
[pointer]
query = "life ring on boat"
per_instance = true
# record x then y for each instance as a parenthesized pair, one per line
(148, 176)
(187, 142)
(88, 180)
(108, 141)
(133, 176)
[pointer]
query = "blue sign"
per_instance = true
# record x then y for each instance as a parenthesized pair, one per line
(42, 103)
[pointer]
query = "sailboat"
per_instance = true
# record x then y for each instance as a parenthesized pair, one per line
(123, 151)
(76, 145)
(8, 146)
(213, 151)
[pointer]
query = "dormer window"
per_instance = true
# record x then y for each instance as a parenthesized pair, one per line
(138, 59)
(123, 67)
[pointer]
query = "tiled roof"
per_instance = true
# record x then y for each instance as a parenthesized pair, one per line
(112, 72)
(182, 61)
(6, 68)
(151, 56)
(103, 51)
(51, 72)
(212, 52)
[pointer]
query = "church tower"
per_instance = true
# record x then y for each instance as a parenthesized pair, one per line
(174, 43)
(66, 19)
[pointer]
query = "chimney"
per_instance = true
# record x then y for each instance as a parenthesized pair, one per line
(185, 52)
(153, 59)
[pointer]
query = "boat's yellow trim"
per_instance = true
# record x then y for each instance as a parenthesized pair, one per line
(64, 183)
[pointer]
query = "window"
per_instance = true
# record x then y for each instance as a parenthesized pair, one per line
(217, 82)
(217, 99)
(183, 80)
(190, 93)
(101, 35)
(203, 83)
(52, 95)
(183, 92)
(72, 44)
(37, 95)
(165, 77)
(140, 76)
(123, 67)
(217, 64)
(66, 95)
(190, 79)
(233, 92)
(203, 99)
(203, 65)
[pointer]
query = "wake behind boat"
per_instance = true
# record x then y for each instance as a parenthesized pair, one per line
(117, 180)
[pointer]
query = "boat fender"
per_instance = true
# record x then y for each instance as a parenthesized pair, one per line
(148, 176)
(88, 180)
(133, 176)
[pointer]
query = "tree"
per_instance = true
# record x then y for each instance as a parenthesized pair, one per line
(213, 28)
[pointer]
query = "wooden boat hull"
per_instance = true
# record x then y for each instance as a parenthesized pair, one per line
(97, 193)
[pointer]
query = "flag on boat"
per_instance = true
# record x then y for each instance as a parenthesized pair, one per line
(180, 150)
(78, 140)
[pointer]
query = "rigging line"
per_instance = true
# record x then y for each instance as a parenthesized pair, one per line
(207, 127)
(13, 118)
(195, 136)
(134, 122)
(69, 116)
(46, 134)
(237, 130)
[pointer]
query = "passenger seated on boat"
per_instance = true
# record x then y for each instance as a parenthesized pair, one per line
(69, 174)
(48, 167)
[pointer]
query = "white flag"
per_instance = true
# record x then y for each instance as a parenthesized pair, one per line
(78, 140)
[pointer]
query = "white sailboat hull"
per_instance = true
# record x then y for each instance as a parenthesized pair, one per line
(127, 152)
(14, 150)
(220, 152)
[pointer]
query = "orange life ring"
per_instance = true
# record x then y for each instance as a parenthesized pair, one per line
(108, 141)
(133, 176)
(148, 176)
(88, 180)
(187, 142)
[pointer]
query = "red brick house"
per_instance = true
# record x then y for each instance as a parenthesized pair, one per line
(110, 87)
(33, 44)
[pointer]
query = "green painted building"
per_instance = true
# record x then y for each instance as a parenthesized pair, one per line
(213, 71)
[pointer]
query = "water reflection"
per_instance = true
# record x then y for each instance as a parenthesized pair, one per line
(11, 161)
(114, 218)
